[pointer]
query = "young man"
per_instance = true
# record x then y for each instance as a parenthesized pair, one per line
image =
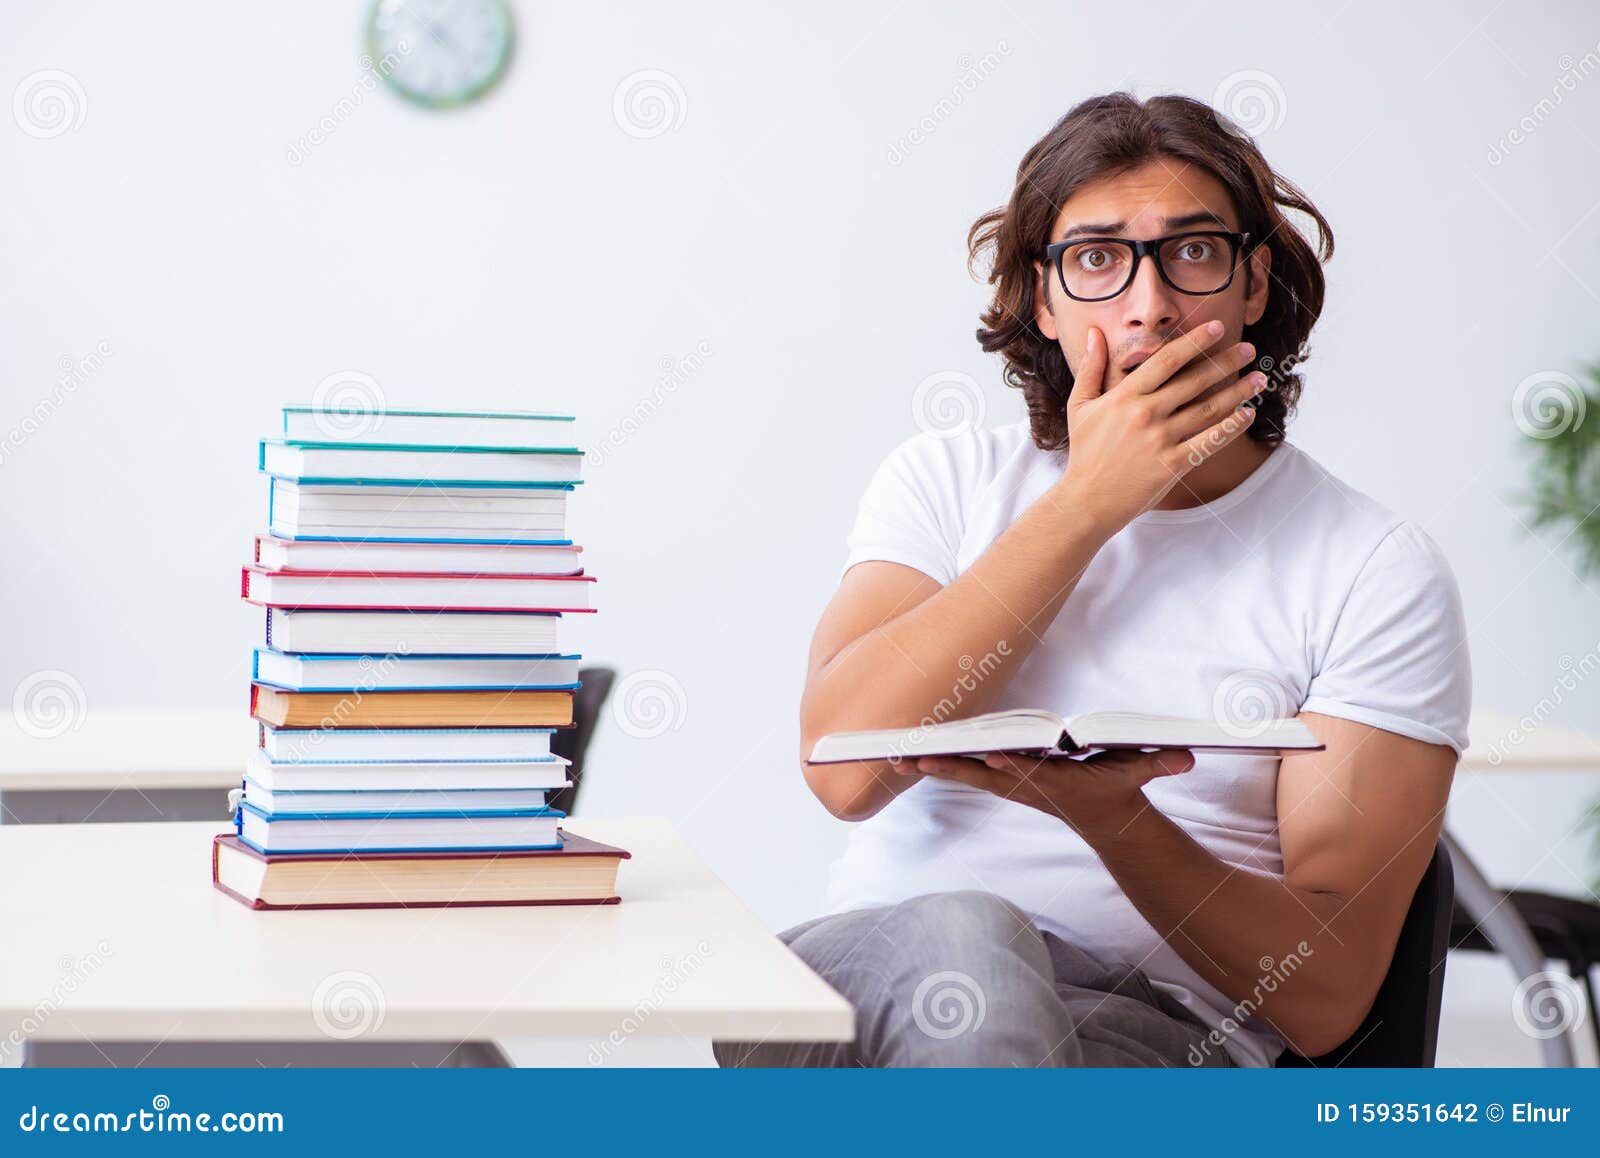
(1146, 541)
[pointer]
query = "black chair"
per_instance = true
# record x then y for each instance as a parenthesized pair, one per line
(1565, 928)
(573, 742)
(1402, 1028)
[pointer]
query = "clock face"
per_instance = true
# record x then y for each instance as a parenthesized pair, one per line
(439, 52)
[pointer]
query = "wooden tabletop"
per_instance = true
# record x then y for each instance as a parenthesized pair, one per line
(114, 932)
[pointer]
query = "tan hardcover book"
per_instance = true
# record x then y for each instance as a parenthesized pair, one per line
(455, 709)
(580, 872)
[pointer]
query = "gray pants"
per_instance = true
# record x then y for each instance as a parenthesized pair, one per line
(964, 979)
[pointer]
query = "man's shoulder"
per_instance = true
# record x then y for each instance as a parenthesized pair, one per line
(1362, 525)
(967, 459)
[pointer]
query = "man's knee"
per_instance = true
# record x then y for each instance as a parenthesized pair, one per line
(973, 985)
(956, 978)
(876, 958)
(953, 947)
(966, 916)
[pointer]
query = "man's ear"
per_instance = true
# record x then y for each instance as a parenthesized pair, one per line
(1260, 280)
(1042, 316)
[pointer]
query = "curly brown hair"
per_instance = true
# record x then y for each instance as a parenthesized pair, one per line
(1111, 134)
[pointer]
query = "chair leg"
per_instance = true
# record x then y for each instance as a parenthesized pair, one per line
(1509, 934)
(1580, 970)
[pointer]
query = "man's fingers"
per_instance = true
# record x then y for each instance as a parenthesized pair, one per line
(1202, 374)
(1145, 765)
(1205, 413)
(1205, 444)
(1089, 381)
(1169, 762)
(965, 770)
(1018, 765)
(1153, 372)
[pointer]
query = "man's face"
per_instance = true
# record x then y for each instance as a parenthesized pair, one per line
(1158, 198)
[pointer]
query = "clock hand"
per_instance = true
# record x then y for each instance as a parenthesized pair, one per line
(436, 31)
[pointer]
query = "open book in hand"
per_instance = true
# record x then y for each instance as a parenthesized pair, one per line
(1047, 734)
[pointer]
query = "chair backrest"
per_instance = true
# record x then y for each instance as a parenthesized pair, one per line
(1402, 1028)
(573, 742)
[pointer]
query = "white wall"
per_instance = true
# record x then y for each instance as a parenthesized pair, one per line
(804, 223)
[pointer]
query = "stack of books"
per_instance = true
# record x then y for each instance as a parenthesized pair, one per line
(415, 578)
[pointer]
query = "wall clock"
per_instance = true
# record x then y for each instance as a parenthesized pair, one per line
(440, 53)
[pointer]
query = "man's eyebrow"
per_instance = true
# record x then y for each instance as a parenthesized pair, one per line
(1115, 228)
(1095, 229)
(1204, 217)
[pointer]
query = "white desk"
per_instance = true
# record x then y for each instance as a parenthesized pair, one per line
(125, 764)
(1500, 743)
(154, 953)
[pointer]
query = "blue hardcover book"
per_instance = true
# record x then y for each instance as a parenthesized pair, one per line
(289, 802)
(386, 465)
(415, 673)
(442, 831)
(418, 557)
(423, 746)
(380, 425)
(418, 511)
(446, 774)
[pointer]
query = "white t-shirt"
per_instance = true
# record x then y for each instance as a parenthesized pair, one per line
(1291, 592)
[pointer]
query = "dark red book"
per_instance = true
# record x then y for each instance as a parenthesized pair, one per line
(581, 872)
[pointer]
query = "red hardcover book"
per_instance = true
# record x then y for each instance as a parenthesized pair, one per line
(414, 590)
(370, 557)
(581, 872)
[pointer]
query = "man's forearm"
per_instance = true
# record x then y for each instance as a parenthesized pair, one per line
(1286, 954)
(951, 655)
(993, 614)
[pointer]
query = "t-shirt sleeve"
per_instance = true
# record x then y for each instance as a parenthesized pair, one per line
(1397, 658)
(913, 510)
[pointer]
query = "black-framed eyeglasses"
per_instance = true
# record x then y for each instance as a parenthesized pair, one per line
(1096, 269)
